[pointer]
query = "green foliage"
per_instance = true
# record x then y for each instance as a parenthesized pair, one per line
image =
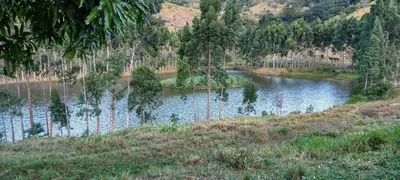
(201, 82)
(95, 86)
(83, 24)
(378, 91)
(295, 173)
(35, 131)
(146, 91)
(249, 97)
(174, 120)
(356, 99)
(310, 109)
(58, 110)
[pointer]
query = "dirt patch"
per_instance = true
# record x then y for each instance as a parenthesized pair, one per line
(270, 71)
(176, 17)
(265, 7)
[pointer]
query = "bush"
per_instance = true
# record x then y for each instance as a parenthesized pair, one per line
(355, 99)
(370, 141)
(241, 159)
(378, 91)
(295, 173)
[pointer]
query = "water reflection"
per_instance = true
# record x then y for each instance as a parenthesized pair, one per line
(298, 94)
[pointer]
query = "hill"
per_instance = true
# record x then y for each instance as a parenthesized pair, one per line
(360, 141)
(359, 13)
(176, 16)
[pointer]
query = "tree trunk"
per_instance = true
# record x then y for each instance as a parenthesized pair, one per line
(4, 126)
(20, 108)
(195, 117)
(113, 108)
(65, 99)
(131, 64)
(220, 102)
(85, 97)
(29, 103)
(98, 118)
(141, 115)
(12, 127)
(209, 84)
(45, 100)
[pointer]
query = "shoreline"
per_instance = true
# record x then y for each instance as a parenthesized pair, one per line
(278, 72)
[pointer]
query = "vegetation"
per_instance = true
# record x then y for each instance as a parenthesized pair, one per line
(313, 145)
(145, 95)
(200, 82)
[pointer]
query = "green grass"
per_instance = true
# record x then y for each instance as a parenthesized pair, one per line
(340, 143)
(201, 82)
(328, 74)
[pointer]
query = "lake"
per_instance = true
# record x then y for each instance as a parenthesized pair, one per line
(296, 95)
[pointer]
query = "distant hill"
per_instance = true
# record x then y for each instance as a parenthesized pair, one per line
(176, 16)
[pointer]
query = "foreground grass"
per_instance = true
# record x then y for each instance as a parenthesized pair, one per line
(360, 141)
(201, 82)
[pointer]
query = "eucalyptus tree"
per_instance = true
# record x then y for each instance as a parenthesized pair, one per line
(95, 85)
(276, 35)
(9, 103)
(188, 64)
(212, 37)
(59, 111)
(302, 34)
(115, 70)
(145, 94)
(249, 98)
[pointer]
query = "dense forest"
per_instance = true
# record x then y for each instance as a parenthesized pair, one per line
(95, 45)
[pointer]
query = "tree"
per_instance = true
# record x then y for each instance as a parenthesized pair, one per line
(95, 85)
(145, 95)
(9, 102)
(249, 98)
(59, 110)
(212, 38)
(83, 24)
(372, 64)
(116, 67)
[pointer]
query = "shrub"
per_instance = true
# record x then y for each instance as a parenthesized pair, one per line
(356, 98)
(295, 173)
(192, 160)
(378, 91)
(241, 159)
(370, 141)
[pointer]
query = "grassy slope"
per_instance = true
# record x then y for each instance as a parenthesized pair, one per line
(359, 141)
(235, 81)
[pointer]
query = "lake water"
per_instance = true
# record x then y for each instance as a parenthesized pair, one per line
(297, 95)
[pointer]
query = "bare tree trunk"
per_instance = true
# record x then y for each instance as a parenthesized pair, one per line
(29, 103)
(195, 117)
(65, 99)
(98, 118)
(12, 127)
(209, 84)
(131, 66)
(20, 108)
(85, 97)
(113, 108)
(4, 126)
(45, 100)
(220, 102)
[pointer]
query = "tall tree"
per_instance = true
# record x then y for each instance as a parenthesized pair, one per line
(371, 64)
(145, 95)
(212, 37)
(59, 110)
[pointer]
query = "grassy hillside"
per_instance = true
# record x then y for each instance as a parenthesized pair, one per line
(360, 141)
(176, 16)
